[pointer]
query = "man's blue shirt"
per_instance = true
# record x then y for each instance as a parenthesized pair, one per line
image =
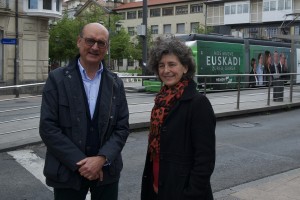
(91, 86)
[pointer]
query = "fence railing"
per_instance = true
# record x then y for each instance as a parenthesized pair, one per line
(234, 94)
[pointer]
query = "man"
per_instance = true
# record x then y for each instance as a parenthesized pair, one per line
(84, 123)
(279, 68)
(275, 66)
(282, 64)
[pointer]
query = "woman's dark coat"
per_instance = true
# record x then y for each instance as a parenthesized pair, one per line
(187, 151)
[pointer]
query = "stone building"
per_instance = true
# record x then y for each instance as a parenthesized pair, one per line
(24, 36)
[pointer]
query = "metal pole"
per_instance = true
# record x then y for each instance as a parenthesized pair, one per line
(109, 30)
(269, 91)
(145, 14)
(205, 23)
(16, 61)
(239, 93)
(291, 88)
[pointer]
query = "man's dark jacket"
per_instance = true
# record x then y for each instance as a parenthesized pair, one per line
(187, 151)
(63, 125)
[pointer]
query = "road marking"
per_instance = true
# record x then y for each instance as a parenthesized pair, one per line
(31, 162)
(34, 164)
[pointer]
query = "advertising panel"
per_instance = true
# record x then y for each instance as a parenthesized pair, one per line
(220, 58)
(256, 49)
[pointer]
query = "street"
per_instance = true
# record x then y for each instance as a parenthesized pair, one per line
(248, 149)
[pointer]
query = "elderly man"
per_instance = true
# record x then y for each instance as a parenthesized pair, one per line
(84, 122)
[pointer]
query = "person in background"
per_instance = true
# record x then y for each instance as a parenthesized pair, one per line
(267, 67)
(181, 146)
(253, 79)
(260, 69)
(275, 66)
(283, 68)
(276, 82)
(84, 122)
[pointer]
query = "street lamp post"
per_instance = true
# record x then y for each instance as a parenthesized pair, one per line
(145, 14)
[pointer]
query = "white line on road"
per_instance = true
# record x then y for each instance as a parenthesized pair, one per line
(33, 163)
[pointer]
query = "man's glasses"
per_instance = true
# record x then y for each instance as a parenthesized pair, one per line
(90, 42)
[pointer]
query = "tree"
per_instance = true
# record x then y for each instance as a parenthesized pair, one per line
(202, 30)
(120, 45)
(63, 35)
(62, 41)
(139, 49)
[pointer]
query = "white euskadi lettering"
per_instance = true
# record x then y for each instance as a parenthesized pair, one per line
(222, 60)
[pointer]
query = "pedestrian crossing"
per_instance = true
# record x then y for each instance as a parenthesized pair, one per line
(34, 164)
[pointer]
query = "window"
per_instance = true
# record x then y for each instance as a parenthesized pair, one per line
(120, 62)
(47, 5)
(130, 62)
(239, 9)
(167, 28)
(131, 15)
(281, 5)
(32, 4)
(154, 29)
(266, 6)
(288, 4)
(272, 5)
(197, 8)
(181, 10)
(180, 28)
(131, 31)
(155, 12)
(227, 10)
(57, 5)
(245, 8)
(233, 9)
(140, 14)
(194, 27)
(167, 11)
(122, 15)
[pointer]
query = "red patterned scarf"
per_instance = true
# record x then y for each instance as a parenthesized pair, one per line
(164, 101)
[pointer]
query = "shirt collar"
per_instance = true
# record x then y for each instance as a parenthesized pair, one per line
(83, 71)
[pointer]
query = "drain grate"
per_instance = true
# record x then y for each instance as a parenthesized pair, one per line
(245, 125)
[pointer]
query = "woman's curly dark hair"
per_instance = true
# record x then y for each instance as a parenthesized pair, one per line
(171, 45)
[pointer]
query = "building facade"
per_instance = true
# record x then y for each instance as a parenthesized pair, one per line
(26, 22)
(164, 17)
(260, 19)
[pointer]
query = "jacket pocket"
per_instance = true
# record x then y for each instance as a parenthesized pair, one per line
(55, 170)
(64, 112)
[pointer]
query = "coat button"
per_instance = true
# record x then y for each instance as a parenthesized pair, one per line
(164, 129)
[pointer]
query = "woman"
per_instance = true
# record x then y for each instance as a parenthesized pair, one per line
(260, 69)
(253, 78)
(181, 149)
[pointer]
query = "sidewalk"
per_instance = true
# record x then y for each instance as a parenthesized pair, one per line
(283, 186)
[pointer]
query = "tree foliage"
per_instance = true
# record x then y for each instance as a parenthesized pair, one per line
(63, 37)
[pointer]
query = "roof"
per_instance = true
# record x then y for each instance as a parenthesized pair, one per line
(139, 4)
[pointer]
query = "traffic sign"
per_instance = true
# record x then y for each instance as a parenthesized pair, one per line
(9, 41)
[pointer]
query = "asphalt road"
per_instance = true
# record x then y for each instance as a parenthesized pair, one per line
(248, 149)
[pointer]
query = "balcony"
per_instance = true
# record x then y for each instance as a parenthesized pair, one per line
(43, 8)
